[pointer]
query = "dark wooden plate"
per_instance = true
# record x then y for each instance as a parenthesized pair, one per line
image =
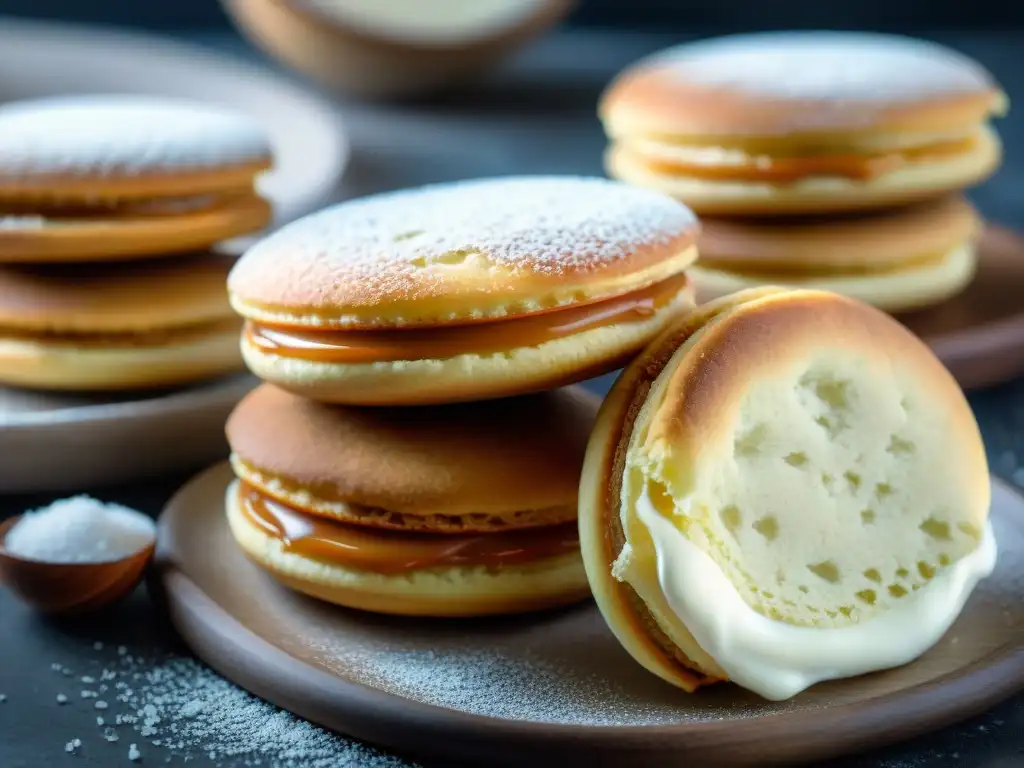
(979, 334)
(555, 687)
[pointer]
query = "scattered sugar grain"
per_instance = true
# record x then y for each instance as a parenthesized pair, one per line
(89, 694)
(80, 529)
(97, 646)
(3, 698)
(56, 667)
(181, 706)
(72, 745)
(87, 679)
(62, 699)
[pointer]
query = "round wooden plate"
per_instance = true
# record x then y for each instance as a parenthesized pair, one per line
(979, 334)
(554, 687)
(58, 442)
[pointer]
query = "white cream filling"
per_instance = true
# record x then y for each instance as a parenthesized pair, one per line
(778, 660)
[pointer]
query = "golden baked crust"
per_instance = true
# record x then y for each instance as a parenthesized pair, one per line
(839, 243)
(601, 533)
(800, 83)
(698, 395)
(452, 253)
(495, 458)
(117, 298)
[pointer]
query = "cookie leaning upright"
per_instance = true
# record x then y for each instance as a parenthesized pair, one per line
(464, 291)
(120, 177)
(784, 488)
(800, 122)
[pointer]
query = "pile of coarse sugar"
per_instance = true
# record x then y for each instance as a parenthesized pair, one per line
(176, 706)
(80, 530)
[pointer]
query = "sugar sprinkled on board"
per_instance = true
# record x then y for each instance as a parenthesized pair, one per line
(80, 529)
(184, 708)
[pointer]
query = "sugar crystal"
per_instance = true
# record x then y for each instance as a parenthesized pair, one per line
(80, 529)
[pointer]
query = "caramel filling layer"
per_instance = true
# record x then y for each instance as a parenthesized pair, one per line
(782, 170)
(479, 338)
(388, 552)
(156, 337)
(56, 210)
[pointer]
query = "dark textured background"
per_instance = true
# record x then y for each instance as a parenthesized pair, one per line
(661, 15)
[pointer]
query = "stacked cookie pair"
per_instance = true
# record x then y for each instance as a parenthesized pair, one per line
(816, 160)
(412, 451)
(108, 206)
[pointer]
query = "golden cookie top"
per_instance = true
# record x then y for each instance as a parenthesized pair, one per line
(776, 83)
(489, 457)
(125, 146)
(452, 253)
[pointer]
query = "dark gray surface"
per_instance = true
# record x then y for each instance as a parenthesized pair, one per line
(536, 117)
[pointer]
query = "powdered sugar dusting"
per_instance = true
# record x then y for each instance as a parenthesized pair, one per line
(826, 65)
(123, 135)
(392, 243)
(172, 707)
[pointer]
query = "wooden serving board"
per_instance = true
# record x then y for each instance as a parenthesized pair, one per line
(555, 687)
(979, 334)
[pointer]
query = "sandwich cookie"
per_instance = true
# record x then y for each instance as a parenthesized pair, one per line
(449, 511)
(786, 487)
(116, 177)
(464, 291)
(117, 326)
(906, 258)
(800, 122)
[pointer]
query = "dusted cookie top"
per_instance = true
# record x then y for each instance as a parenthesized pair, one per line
(490, 457)
(449, 253)
(56, 145)
(771, 83)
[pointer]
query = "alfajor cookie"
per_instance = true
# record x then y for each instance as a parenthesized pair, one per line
(786, 487)
(118, 326)
(116, 177)
(902, 259)
(447, 511)
(801, 122)
(464, 291)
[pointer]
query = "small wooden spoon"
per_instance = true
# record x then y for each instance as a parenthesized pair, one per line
(69, 587)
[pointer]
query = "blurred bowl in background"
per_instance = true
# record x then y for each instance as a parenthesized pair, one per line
(381, 49)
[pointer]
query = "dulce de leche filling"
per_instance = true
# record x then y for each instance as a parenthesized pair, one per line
(477, 338)
(388, 552)
(782, 170)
